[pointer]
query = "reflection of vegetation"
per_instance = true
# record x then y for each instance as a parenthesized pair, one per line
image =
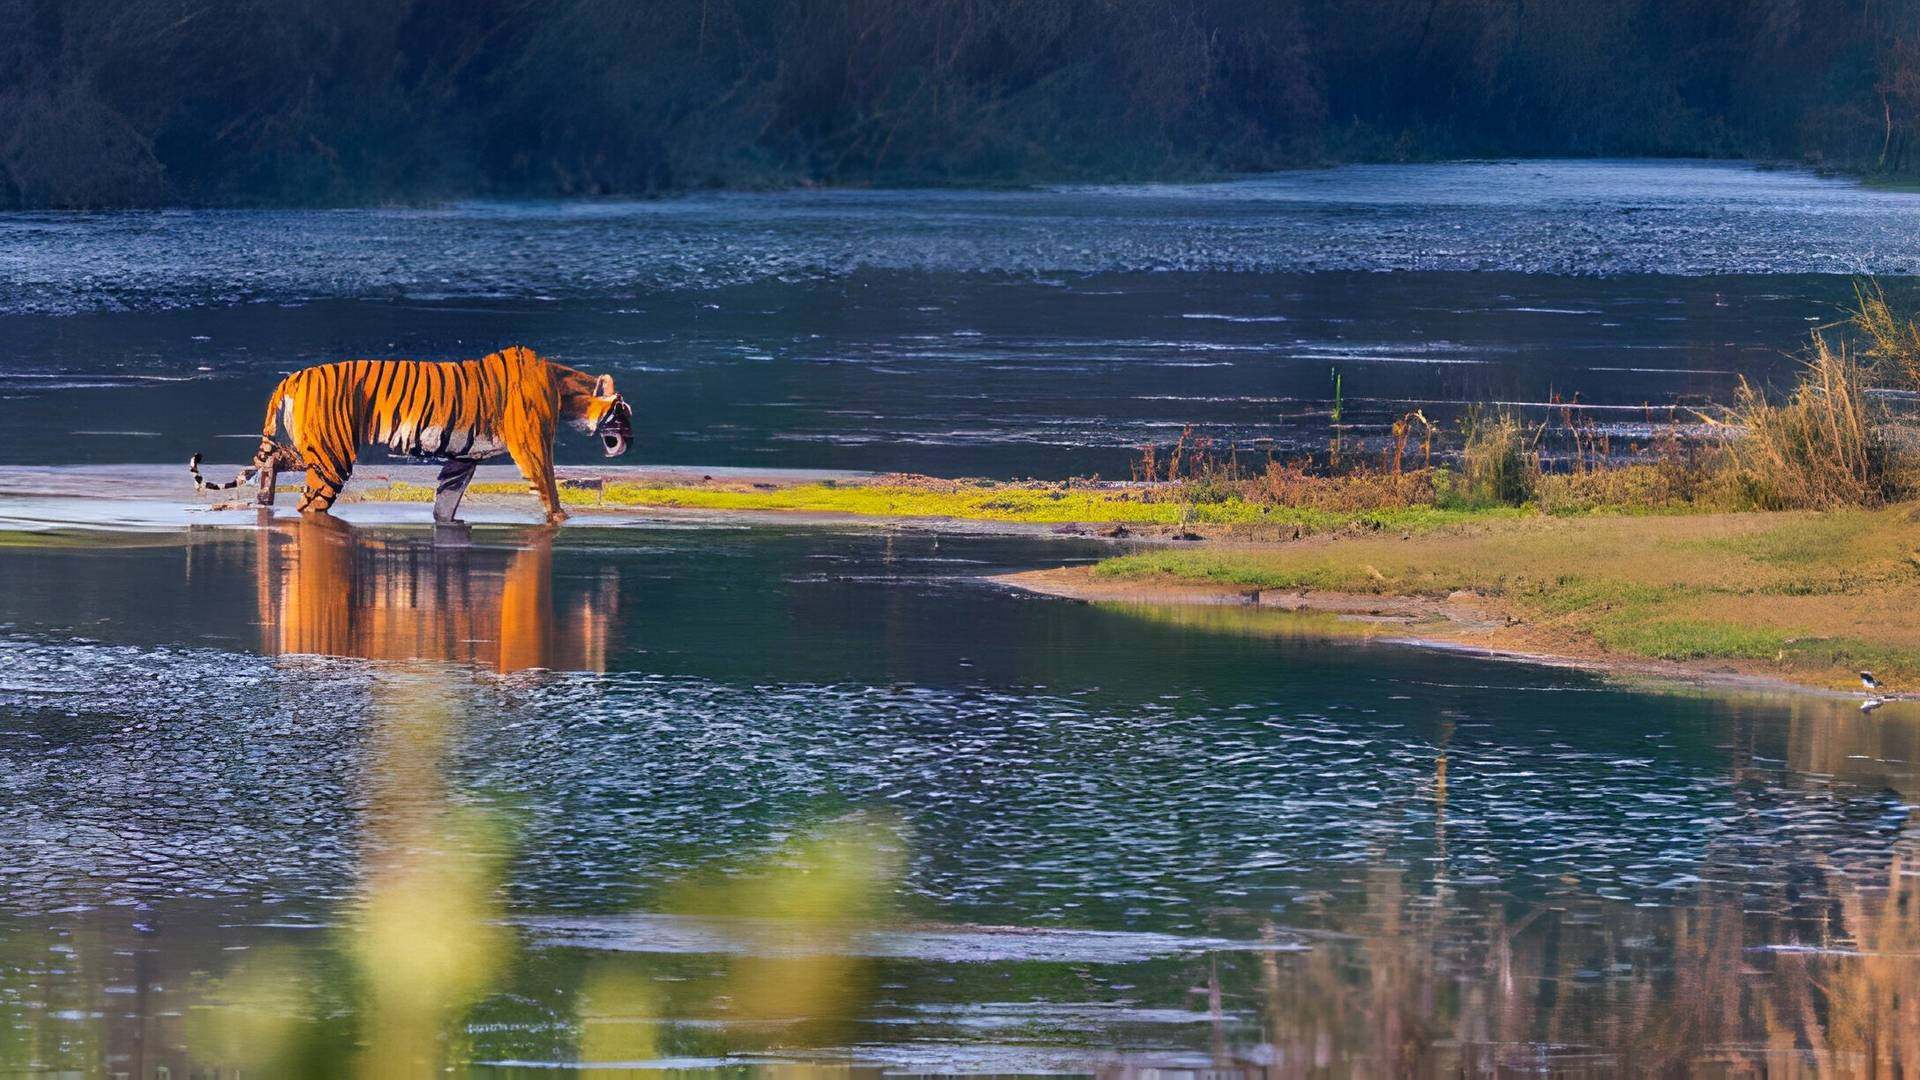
(1601, 986)
(90, 539)
(1247, 621)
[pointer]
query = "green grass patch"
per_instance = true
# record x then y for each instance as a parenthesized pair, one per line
(1640, 587)
(1568, 595)
(1283, 571)
(1799, 540)
(1229, 569)
(1246, 620)
(1631, 631)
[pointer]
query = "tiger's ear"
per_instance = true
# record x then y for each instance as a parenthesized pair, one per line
(603, 386)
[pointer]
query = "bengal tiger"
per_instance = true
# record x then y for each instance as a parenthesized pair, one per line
(462, 413)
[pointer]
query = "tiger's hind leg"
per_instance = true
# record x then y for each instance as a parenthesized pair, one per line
(454, 478)
(281, 458)
(323, 485)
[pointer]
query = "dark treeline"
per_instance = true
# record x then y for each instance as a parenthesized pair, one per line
(131, 102)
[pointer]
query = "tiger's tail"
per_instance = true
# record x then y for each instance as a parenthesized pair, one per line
(261, 457)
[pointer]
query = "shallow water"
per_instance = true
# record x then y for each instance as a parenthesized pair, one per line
(1038, 333)
(197, 769)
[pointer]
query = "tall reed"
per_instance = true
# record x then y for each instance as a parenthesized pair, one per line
(1817, 450)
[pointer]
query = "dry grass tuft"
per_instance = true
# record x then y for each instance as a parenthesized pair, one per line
(1819, 450)
(1293, 483)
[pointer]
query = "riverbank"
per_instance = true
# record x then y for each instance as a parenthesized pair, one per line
(1804, 597)
(1801, 598)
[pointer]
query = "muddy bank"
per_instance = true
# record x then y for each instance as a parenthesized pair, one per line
(1461, 621)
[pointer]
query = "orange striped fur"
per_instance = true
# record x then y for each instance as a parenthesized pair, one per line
(509, 402)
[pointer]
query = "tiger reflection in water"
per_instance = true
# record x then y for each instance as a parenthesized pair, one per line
(329, 588)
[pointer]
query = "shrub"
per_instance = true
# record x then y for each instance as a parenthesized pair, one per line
(1498, 460)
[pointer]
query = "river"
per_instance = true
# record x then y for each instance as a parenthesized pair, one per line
(304, 797)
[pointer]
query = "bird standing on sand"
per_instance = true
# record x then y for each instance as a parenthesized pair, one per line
(1867, 680)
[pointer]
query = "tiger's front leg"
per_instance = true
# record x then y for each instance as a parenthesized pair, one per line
(454, 478)
(537, 466)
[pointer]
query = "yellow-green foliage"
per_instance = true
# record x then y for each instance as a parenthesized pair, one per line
(1021, 503)
(1041, 505)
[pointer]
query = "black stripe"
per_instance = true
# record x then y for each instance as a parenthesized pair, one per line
(436, 393)
(453, 411)
(403, 389)
(380, 382)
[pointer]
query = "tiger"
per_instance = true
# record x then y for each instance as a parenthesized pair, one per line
(460, 412)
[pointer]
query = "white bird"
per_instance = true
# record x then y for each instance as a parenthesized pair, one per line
(1867, 680)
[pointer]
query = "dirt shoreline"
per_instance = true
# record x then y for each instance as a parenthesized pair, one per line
(1463, 622)
(1764, 601)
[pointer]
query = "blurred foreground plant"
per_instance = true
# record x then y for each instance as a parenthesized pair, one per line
(795, 973)
(394, 992)
(424, 944)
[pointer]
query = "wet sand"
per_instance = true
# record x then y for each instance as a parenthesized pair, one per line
(43, 498)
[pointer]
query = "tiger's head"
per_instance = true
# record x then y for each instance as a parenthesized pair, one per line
(599, 410)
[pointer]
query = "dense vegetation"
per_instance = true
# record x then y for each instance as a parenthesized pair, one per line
(118, 102)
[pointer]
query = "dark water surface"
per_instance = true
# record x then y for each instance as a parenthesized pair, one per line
(209, 739)
(1035, 333)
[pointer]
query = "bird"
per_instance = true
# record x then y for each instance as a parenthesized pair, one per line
(1871, 704)
(1867, 680)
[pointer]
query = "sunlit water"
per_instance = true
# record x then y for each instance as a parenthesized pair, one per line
(1178, 814)
(1041, 332)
